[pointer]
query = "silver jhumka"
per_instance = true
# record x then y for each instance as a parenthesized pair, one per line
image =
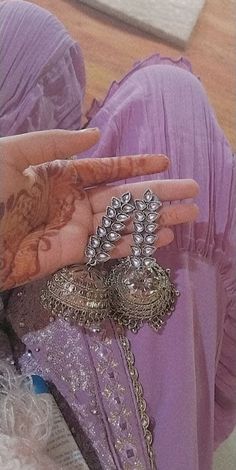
(80, 293)
(140, 289)
(135, 291)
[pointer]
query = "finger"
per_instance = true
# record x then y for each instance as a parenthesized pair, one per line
(95, 171)
(169, 215)
(178, 214)
(35, 148)
(165, 236)
(166, 190)
(50, 264)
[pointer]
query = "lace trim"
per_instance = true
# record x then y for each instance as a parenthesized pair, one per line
(141, 403)
(114, 395)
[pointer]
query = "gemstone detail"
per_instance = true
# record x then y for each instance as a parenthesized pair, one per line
(152, 216)
(117, 226)
(148, 250)
(115, 202)
(106, 222)
(90, 252)
(126, 197)
(150, 238)
(101, 232)
(127, 208)
(139, 227)
(148, 195)
(107, 246)
(94, 241)
(111, 212)
(150, 228)
(139, 216)
(113, 236)
(136, 262)
(122, 217)
(102, 257)
(140, 204)
(136, 250)
(138, 238)
(154, 205)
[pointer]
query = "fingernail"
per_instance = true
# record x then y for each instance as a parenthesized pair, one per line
(89, 129)
(167, 160)
(163, 155)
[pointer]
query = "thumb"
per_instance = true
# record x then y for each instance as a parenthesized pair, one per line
(39, 147)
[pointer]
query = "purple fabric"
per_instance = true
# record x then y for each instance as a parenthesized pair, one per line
(42, 78)
(188, 371)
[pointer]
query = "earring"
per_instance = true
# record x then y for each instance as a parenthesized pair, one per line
(140, 289)
(80, 293)
(136, 291)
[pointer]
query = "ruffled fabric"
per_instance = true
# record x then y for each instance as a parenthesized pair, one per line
(225, 384)
(131, 119)
(159, 108)
(42, 79)
(155, 59)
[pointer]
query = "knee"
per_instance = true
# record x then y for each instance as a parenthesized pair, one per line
(172, 79)
(172, 88)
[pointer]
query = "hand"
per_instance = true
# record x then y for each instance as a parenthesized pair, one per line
(46, 211)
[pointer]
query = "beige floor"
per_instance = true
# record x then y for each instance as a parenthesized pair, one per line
(225, 456)
(166, 19)
(211, 51)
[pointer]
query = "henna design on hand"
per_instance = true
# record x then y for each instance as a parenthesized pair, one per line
(33, 216)
(47, 216)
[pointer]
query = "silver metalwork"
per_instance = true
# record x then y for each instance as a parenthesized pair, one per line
(136, 291)
(139, 396)
(80, 293)
(140, 289)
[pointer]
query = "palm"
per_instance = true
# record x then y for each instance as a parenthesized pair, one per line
(48, 218)
(47, 214)
(69, 223)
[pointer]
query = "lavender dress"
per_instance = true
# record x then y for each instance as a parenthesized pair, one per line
(188, 371)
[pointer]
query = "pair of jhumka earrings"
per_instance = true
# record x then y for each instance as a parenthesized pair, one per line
(134, 291)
